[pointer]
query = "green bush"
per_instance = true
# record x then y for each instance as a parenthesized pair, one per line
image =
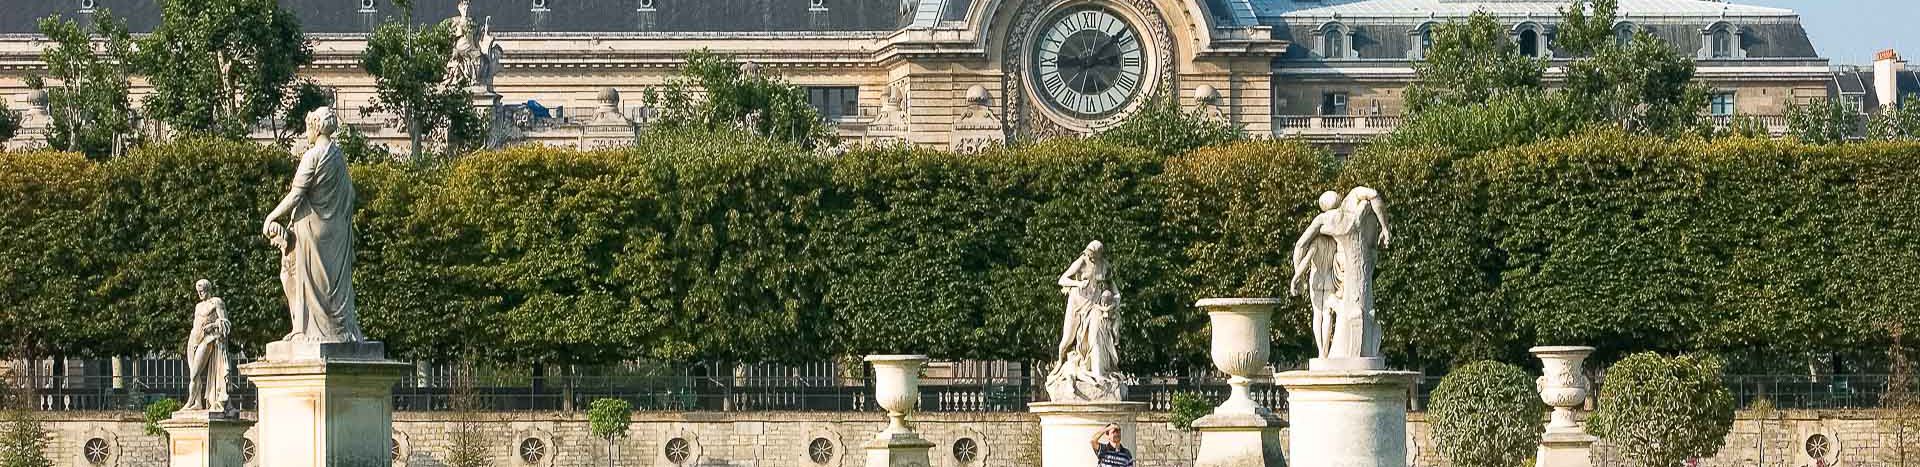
(1187, 407)
(1486, 414)
(23, 440)
(610, 417)
(156, 411)
(1660, 411)
(47, 268)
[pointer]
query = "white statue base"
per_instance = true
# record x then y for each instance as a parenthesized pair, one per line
(899, 450)
(325, 404)
(204, 439)
(1350, 418)
(1065, 387)
(1067, 427)
(1565, 448)
(1240, 440)
(1346, 364)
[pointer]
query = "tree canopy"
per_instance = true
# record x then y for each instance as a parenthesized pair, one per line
(87, 98)
(218, 67)
(713, 93)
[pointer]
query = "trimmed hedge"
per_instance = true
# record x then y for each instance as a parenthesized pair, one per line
(718, 246)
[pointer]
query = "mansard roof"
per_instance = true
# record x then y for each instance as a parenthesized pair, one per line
(537, 16)
(1504, 8)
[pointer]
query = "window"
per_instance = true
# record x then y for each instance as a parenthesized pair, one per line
(1623, 34)
(677, 451)
(1336, 43)
(1333, 103)
(965, 450)
(1856, 103)
(835, 102)
(1723, 43)
(820, 451)
(1426, 40)
(532, 450)
(1529, 43)
(1722, 104)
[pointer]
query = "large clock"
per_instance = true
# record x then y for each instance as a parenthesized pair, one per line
(1088, 63)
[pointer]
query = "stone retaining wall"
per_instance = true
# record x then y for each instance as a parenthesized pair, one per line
(782, 439)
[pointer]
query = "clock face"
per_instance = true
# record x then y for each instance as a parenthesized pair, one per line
(1088, 63)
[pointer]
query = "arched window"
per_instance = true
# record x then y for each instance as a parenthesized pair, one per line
(1623, 34)
(1721, 40)
(1335, 41)
(1422, 36)
(1530, 43)
(1723, 44)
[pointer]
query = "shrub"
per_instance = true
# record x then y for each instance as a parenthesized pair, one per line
(1163, 127)
(1187, 407)
(1661, 411)
(1486, 414)
(159, 410)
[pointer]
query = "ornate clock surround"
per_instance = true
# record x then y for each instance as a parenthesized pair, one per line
(1028, 116)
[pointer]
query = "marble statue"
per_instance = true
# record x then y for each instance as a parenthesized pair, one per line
(476, 54)
(316, 244)
(1333, 263)
(1087, 360)
(207, 352)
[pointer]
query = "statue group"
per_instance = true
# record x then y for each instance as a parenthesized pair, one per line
(476, 55)
(1086, 364)
(1333, 264)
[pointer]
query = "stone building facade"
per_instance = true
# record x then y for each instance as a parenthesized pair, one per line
(834, 439)
(960, 73)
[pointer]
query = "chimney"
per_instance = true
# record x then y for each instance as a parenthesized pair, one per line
(1887, 67)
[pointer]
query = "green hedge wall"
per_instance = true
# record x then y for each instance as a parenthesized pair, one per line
(705, 246)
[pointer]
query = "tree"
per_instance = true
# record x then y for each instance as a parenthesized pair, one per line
(218, 67)
(715, 93)
(1486, 414)
(609, 419)
(409, 68)
(1644, 85)
(156, 412)
(307, 96)
(1661, 411)
(1163, 127)
(1900, 405)
(23, 438)
(1471, 62)
(1822, 122)
(467, 439)
(9, 124)
(1894, 123)
(89, 104)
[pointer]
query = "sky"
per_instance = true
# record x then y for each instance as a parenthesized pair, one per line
(1849, 32)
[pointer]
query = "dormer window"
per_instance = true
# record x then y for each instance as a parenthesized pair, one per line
(1721, 40)
(1531, 39)
(1530, 43)
(1336, 41)
(1623, 34)
(1422, 40)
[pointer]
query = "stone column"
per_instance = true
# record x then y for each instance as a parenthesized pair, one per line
(325, 404)
(1066, 428)
(1564, 386)
(1347, 417)
(1240, 433)
(200, 439)
(896, 386)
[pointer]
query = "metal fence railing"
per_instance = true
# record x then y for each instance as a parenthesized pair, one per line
(825, 386)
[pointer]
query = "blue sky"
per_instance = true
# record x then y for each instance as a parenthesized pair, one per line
(1851, 31)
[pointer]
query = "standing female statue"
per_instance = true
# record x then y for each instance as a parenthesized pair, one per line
(207, 352)
(1087, 357)
(316, 245)
(1342, 279)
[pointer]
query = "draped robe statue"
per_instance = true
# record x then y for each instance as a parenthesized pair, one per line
(316, 245)
(476, 54)
(1334, 260)
(1087, 359)
(207, 352)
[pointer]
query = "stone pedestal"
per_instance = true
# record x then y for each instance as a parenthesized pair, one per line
(1347, 418)
(325, 404)
(1066, 428)
(899, 450)
(1565, 449)
(1240, 440)
(200, 439)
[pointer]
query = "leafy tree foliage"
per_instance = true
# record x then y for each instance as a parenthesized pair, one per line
(88, 100)
(715, 93)
(1164, 128)
(608, 419)
(306, 97)
(46, 269)
(1661, 411)
(1470, 62)
(408, 64)
(219, 66)
(1822, 122)
(1486, 414)
(9, 123)
(23, 438)
(156, 412)
(1894, 123)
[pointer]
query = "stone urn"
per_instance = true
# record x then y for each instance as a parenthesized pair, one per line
(1241, 341)
(896, 385)
(1562, 384)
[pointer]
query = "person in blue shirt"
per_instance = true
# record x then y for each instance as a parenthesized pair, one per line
(1106, 447)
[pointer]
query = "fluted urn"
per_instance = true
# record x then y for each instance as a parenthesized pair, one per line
(1241, 342)
(1562, 384)
(896, 385)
